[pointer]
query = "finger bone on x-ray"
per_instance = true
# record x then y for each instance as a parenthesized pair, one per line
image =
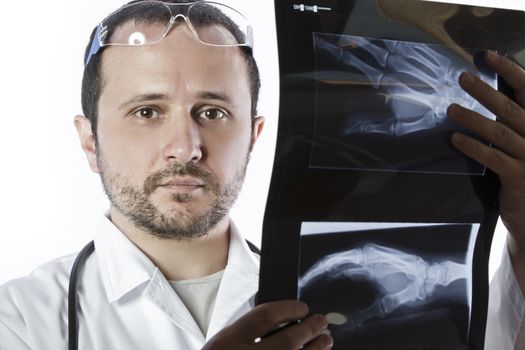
(418, 81)
(405, 279)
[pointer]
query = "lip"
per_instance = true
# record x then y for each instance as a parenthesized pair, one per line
(183, 185)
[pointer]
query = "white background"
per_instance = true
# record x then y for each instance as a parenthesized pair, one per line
(50, 201)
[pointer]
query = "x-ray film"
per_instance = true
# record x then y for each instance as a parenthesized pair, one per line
(389, 282)
(373, 217)
(382, 104)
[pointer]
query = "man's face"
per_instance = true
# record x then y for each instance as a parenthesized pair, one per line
(174, 133)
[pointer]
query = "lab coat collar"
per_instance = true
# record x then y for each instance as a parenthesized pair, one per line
(238, 285)
(123, 267)
(240, 256)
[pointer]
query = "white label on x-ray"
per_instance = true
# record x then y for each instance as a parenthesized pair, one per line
(311, 8)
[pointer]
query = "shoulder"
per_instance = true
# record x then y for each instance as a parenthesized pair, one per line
(49, 277)
(36, 298)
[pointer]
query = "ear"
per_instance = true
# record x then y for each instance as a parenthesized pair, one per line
(258, 126)
(87, 140)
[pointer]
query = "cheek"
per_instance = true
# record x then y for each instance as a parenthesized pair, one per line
(123, 153)
(227, 154)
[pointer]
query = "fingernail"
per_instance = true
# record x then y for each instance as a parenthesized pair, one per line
(492, 56)
(457, 138)
(330, 343)
(453, 109)
(467, 78)
(454, 112)
(326, 331)
(323, 322)
(303, 307)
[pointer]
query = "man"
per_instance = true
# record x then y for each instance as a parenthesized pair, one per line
(169, 123)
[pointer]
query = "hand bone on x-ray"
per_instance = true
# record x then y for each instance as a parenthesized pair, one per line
(418, 82)
(404, 279)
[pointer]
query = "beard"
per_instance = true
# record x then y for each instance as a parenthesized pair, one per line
(134, 201)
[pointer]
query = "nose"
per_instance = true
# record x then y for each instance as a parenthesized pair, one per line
(182, 141)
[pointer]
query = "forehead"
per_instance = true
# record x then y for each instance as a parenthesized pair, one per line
(176, 61)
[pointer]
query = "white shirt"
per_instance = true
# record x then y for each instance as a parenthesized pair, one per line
(199, 294)
(126, 302)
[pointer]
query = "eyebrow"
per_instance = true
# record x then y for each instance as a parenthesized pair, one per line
(205, 95)
(214, 95)
(143, 98)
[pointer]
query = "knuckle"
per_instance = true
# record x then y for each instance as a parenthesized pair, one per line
(481, 89)
(495, 159)
(299, 309)
(314, 325)
(308, 328)
(269, 317)
(471, 147)
(521, 176)
(500, 134)
(517, 179)
(510, 107)
(484, 88)
(289, 340)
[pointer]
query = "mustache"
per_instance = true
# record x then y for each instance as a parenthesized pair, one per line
(178, 169)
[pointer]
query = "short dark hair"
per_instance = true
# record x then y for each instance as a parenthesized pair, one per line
(92, 79)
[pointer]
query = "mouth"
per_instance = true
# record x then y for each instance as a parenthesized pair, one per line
(183, 185)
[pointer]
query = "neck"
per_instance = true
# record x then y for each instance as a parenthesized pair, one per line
(180, 259)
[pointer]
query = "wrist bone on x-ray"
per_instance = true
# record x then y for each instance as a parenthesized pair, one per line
(418, 81)
(405, 279)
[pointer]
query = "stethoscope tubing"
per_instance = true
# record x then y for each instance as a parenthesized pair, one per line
(72, 298)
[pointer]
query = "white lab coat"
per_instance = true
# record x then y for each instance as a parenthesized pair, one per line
(126, 302)
(506, 315)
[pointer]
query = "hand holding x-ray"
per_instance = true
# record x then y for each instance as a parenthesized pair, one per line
(507, 156)
(262, 328)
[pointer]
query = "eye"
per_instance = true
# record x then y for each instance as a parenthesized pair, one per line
(212, 114)
(146, 113)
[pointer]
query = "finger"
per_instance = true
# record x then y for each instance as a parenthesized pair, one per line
(324, 341)
(513, 74)
(495, 132)
(502, 164)
(266, 317)
(296, 336)
(507, 110)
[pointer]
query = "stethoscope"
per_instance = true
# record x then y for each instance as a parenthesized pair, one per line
(72, 298)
